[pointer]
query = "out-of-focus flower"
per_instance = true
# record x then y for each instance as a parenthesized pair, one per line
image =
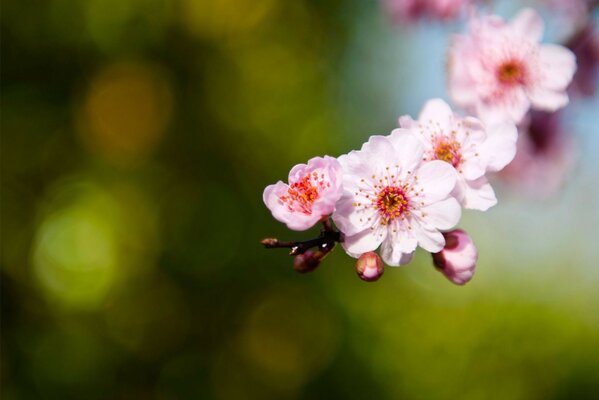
(312, 193)
(370, 267)
(405, 11)
(308, 261)
(585, 45)
(391, 197)
(568, 12)
(465, 143)
(457, 260)
(499, 70)
(545, 156)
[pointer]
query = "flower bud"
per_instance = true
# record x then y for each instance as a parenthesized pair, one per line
(369, 267)
(307, 261)
(457, 260)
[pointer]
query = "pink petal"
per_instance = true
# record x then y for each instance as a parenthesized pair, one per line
(443, 214)
(296, 221)
(407, 150)
(350, 219)
(378, 150)
(437, 178)
(558, 65)
(363, 242)
(529, 24)
(512, 108)
(406, 122)
(436, 110)
(428, 238)
(475, 195)
(393, 256)
(271, 199)
(548, 100)
(500, 147)
(473, 167)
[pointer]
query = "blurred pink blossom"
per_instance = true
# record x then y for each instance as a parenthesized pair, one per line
(467, 144)
(570, 12)
(499, 70)
(405, 11)
(312, 193)
(545, 156)
(457, 260)
(395, 200)
(585, 45)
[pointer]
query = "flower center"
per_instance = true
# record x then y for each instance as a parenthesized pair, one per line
(510, 73)
(391, 203)
(302, 194)
(448, 152)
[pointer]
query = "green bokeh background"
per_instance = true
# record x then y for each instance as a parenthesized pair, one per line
(137, 137)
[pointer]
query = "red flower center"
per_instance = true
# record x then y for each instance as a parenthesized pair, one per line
(511, 73)
(448, 152)
(391, 203)
(302, 194)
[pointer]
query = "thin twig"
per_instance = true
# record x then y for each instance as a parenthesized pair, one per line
(325, 241)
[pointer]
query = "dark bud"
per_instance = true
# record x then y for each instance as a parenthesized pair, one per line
(307, 261)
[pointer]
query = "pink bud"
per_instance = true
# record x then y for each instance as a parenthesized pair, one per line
(307, 261)
(457, 260)
(369, 267)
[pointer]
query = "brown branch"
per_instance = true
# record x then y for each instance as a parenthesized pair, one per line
(325, 241)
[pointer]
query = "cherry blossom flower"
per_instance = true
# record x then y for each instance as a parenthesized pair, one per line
(466, 144)
(499, 70)
(369, 267)
(311, 194)
(570, 14)
(457, 260)
(411, 10)
(395, 200)
(585, 45)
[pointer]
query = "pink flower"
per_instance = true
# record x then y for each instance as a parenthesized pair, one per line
(466, 144)
(585, 45)
(546, 156)
(499, 70)
(370, 267)
(457, 260)
(568, 12)
(395, 200)
(411, 10)
(311, 194)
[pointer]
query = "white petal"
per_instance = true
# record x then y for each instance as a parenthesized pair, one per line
(378, 151)
(547, 99)
(436, 110)
(558, 65)
(363, 242)
(477, 195)
(394, 257)
(443, 214)
(429, 239)
(406, 122)
(472, 166)
(408, 150)
(437, 179)
(402, 237)
(511, 108)
(528, 23)
(351, 219)
(500, 147)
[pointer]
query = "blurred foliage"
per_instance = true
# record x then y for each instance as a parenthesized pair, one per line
(137, 137)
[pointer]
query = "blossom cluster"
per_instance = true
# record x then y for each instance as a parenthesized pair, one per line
(407, 189)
